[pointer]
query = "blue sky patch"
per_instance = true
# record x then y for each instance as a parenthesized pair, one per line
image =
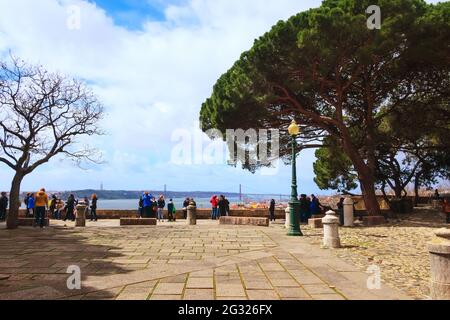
(131, 14)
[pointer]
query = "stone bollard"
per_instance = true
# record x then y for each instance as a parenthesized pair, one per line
(439, 250)
(349, 214)
(80, 220)
(331, 230)
(288, 217)
(192, 214)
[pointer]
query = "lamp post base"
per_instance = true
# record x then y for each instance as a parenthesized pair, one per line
(295, 233)
(294, 226)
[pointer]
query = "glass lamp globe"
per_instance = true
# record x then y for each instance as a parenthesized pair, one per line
(294, 129)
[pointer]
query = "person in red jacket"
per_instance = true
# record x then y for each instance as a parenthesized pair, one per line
(215, 207)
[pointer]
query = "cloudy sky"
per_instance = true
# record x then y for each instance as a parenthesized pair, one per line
(152, 63)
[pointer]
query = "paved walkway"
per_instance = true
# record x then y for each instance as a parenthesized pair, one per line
(176, 262)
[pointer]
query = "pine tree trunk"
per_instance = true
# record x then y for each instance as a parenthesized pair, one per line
(370, 197)
(366, 178)
(14, 202)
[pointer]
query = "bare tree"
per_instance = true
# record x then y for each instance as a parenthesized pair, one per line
(41, 116)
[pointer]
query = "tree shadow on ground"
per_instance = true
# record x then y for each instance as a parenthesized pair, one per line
(34, 262)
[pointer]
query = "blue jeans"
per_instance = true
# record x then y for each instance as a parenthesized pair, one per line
(160, 214)
(40, 216)
(215, 213)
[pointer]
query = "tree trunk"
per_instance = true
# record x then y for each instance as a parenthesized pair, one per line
(366, 178)
(14, 202)
(370, 197)
(385, 196)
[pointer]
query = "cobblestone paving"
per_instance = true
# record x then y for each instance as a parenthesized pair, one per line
(398, 248)
(176, 262)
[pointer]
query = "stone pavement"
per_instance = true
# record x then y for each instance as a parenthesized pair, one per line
(176, 262)
(399, 249)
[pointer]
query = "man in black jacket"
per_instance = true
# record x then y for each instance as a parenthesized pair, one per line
(3, 206)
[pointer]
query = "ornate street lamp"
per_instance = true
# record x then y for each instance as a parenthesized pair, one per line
(294, 204)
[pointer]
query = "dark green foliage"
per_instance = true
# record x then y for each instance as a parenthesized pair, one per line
(338, 79)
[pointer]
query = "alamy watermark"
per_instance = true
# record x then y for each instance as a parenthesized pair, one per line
(74, 281)
(73, 21)
(374, 280)
(251, 147)
(374, 21)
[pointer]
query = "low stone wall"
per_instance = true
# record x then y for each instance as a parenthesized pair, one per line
(202, 214)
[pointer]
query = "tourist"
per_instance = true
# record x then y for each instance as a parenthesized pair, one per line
(172, 211)
(70, 208)
(222, 205)
(154, 210)
(53, 202)
(272, 210)
(141, 207)
(185, 205)
(305, 208)
(215, 207)
(25, 201)
(30, 206)
(161, 206)
(94, 199)
(59, 209)
(41, 205)
(192, 202)
(3, 206)
(316, 207)
(340, 207)
(227, 206)
(147, 205)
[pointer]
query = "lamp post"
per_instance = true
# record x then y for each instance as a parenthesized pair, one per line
(294, 227)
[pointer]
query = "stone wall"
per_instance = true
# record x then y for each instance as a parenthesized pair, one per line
(201, 214)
